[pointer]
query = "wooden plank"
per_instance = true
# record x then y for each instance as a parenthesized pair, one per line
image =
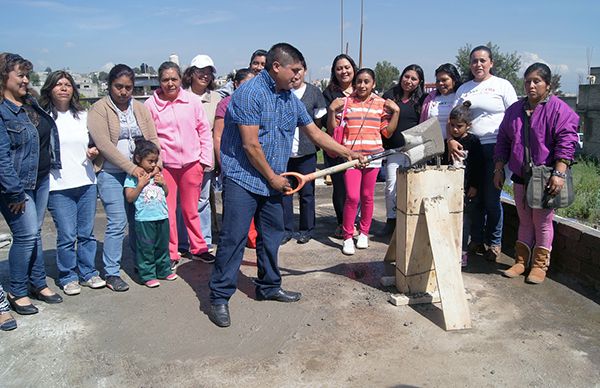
(446, 255)
(390, 254)
(431, 182)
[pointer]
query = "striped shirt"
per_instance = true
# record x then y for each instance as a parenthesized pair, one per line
(256, 103)
(372, 117)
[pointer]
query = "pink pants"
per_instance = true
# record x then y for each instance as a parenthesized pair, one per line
(360, 186)
(189, 180)
(535, 225)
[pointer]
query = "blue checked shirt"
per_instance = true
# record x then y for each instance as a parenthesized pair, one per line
(277, 115)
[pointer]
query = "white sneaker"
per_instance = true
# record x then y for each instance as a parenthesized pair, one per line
(72, 288)
(348, 248)
(362, 242)
(94, 282)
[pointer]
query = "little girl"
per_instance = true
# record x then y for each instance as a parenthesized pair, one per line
(459, 123)
(151, 216)
(367, 116)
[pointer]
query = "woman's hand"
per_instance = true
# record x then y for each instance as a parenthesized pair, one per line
(17, 207)
(139, 172)
(455, 150)
(499, 178)
(391, 106)
(337, 105)
(472, 192)
(92, 152)
(555, 185)
(159, 179)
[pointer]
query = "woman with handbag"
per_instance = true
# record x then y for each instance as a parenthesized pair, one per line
(538, 130)
(365, 117)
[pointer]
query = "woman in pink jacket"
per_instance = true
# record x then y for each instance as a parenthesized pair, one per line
(186, 150)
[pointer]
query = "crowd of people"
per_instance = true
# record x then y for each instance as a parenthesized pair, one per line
(155, 165)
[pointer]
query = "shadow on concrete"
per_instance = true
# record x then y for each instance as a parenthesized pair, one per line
(367, 273)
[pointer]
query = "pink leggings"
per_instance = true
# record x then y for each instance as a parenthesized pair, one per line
(360, 186)
(189, 180)
(535, 225)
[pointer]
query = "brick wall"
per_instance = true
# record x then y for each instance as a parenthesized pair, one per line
(575, 250)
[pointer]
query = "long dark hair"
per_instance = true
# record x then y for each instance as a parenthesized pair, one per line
(8, 63)
(333, 81)
(46, 94)
(452, 71)
(119, 71)
(417, 94)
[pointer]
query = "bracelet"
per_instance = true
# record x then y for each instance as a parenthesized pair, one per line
(559, 174)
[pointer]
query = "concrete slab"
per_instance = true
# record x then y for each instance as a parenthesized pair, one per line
(344, 332)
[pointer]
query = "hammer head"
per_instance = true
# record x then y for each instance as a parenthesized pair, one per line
(422, 142)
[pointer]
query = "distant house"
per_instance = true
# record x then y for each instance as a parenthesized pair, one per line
(85, 86)
(588, 107)
(145, 84)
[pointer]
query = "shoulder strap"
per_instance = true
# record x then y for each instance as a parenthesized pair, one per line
(527, 153)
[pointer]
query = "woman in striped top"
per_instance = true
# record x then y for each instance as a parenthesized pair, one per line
(366, 117)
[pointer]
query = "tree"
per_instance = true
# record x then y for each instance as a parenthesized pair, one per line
(555, 84)
(137, 70)
(34, 78)
(103, 76)
(385, 75)
(506, 65)
(48, 70)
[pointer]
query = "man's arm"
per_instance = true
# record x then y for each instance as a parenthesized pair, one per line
(256, 156)
(327, 143)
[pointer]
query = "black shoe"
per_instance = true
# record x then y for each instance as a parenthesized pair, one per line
(116, 284)
(286, 238)
(388, 229)
(22, 310)
(185, 255)
(281, 296)
(50, 299)
(303, 239)
(219, 315)
(204, 257)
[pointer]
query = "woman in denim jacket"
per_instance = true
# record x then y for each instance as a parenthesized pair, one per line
(29, 148)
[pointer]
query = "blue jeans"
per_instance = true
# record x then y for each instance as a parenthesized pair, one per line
(73, 211)
(118, 214)
(470, 206)
(304, 165)
(239, 207)
(26, 257)
(487, 217)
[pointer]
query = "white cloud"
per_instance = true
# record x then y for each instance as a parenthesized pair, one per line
(211, 18)
(44, 50)
(69, 44)
(528, 58)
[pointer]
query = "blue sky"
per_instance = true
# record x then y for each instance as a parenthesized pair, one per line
(90, 35)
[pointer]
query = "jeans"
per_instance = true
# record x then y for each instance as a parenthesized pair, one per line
(392, 163)
(204, 210)
(239, 207)
(470, 206)
(304, 165)
(487, 218)
(535, 225)
(74, 211)
(26, 257)
(118, 214)
(360, 188)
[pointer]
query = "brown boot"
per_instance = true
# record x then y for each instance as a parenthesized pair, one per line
(522, 255)
(539, 266)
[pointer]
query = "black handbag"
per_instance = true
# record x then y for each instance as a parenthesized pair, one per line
(537, 177)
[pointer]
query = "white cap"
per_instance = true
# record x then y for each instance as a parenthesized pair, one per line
(202, 61)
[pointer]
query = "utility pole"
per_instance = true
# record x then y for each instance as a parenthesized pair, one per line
(360, 55)
(341, 26)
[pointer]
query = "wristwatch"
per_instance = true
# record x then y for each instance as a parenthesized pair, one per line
(559, 174)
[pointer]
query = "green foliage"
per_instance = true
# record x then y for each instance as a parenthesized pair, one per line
(586, 179)
(506, 65)
(555, 84)
(34, 78)
(385, 75)
(103, 76)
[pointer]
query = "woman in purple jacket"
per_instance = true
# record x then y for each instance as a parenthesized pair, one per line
(552, 139)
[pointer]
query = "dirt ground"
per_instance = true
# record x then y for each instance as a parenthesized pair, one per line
(343, 333)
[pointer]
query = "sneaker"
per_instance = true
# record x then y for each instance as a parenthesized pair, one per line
(348, 247)
(116, 284)
(171, 277)
(152, 283)
(492, 253)
(362, 242)
(72, 288)
(185, 254)
(174, 264)
(204, 257)
(339, 232)
(464, 258)
(94, 282)
(211, 248)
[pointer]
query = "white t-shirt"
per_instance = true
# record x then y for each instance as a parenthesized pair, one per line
(317, 114)
(440, 108)
(489, 99)
(77, 170)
